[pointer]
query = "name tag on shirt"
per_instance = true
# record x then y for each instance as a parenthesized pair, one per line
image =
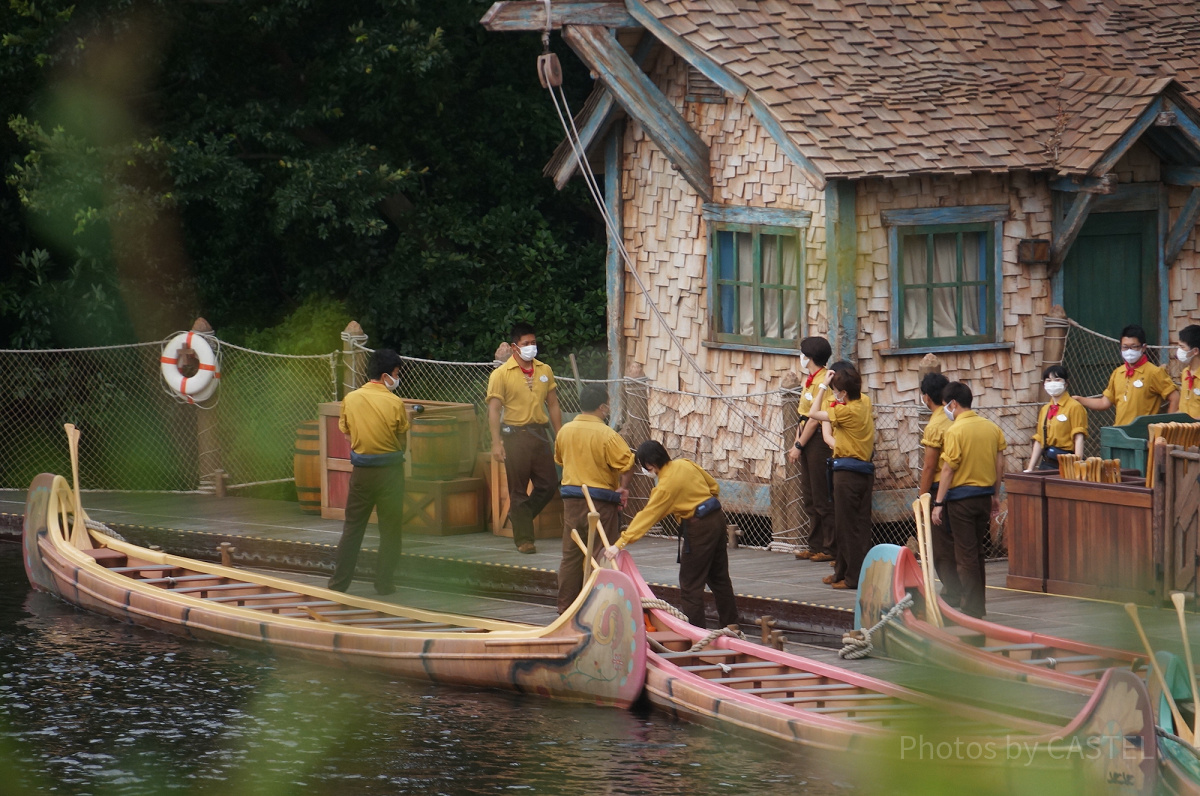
(1061, 418)
(1137, 383)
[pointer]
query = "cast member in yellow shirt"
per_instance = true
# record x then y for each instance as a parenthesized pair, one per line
(1062, 424)
(1188, 353)
(590, 453)
(967, 493)
(685, 490)
(1137, 388)
(376, 421)
(849, 428)
(810, 450)
(522, 406)
(932, 385)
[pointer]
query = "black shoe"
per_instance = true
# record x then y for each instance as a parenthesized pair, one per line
(527, 547)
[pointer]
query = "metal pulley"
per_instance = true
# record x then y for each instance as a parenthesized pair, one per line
(549, 70)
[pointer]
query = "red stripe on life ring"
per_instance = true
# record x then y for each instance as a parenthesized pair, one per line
(188, 341)
(183, 386)
(168, 361)
(208, 367)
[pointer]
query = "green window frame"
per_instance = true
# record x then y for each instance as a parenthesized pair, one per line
(757, 284)
(946, 284)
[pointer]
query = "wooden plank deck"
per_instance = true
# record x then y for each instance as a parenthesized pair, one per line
(754, 572)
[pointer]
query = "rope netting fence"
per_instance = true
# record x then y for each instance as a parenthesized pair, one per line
(138, 437)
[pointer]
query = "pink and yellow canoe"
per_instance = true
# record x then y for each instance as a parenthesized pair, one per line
(594, 652)
(1109, 747)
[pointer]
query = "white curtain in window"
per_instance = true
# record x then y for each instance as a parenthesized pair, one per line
(916, 313)
(789, 257)
(973, 297)
(745, 261)
(945, 300)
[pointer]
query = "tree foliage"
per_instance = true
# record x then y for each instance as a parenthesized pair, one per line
(239, 159)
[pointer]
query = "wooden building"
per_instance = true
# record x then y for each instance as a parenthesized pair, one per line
(902, 176)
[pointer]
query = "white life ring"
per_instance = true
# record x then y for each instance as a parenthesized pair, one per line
(200, 386)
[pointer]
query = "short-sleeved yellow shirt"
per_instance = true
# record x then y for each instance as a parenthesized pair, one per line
(1141, 394)
(1189, 399)
(682, 486)
(935, 430)
(524, 400)
(591, 453)
(375, 419)
(1060, 430)
(970, 446)
(853, 429)
(809, 392)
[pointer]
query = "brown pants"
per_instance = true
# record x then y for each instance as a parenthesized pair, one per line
(814, 495)
(570, 569)
(528, 457)
(852, 523)
(704, 559)
(969, 523)
(371, 487)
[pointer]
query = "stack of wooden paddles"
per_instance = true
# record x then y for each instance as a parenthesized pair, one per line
(1095, 469)
(1186, 435)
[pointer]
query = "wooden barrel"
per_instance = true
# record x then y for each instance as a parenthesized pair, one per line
(306, 465)
(433, 448)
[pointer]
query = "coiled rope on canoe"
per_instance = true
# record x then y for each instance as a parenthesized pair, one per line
(663, 605)
(104, 529)
(857, 643)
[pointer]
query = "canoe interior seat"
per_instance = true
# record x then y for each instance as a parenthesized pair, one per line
(966, 634)
(704, 653)
(233, 598)
(129, 570)
(795, 677)
(279, 606)
(109, 559)
(1053, 661)
(800, 689)
(699, 668)
(1006, 649)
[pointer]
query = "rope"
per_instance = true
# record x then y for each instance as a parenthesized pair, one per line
(716, 634)
(104, 529)
(1161, 733)
(663, 605)
(858, 642)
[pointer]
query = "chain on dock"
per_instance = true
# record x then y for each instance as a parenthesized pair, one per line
(858, 642)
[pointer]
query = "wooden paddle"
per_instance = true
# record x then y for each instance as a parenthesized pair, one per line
(1181, 729)
(1178, 598)
(923, 515)
(587, 495)
(79, 534)
(587, 559)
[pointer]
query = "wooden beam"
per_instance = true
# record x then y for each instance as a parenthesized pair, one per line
(599, 117)
(1068, 230)
(1181, 230)
(642, 100)
(1181, 175)
(530, 15)
(841, 284)
(1126, 141)
(1104, 185)
(965, 214)
(764, 216)
(1185, 125)
(693, 55)
(614, 267)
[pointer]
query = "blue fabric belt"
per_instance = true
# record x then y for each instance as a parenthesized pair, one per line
(964, 492)
(852, 464)
(707, 507)
(603, 495)
(377, 459)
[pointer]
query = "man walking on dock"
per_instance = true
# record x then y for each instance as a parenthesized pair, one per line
(590, 453)
(376, 421)
(523, 388)
(973, 464)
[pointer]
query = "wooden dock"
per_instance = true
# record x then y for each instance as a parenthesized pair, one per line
(772, 582)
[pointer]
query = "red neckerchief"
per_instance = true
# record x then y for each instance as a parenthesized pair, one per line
(1053, 411)
(1131, 369)
(1191, 380)
(837, 403)
(811, 376)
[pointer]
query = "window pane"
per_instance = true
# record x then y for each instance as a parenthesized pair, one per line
(945, 312)
(745, 257)
(771, 313)
(790, 266)
(973, 257)
(726, 260)
(945, 261)
(746, 309)
(915, 260)
(973, 309)
(727, 317)
(770, 259)
(916, 314)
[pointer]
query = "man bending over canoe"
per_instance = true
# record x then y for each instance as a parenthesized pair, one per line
(375, 420)
(590, 453)
(685, 490)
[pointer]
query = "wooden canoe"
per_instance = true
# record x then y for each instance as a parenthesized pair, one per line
(747, 688)
(1179, 766)
(969, 644)
(594, 652)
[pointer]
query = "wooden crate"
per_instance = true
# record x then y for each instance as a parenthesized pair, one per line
(1100, 541)
(1026, 529)
(546, 525)
(445, 508)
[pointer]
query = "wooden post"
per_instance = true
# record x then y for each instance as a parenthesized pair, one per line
(614, 265)
(1158, 531)
(208, 445)
(786, 516)
(635, 430)
(354, 359)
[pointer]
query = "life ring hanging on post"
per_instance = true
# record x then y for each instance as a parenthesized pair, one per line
(190, 367)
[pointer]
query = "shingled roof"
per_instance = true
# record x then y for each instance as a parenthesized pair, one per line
(897, 87)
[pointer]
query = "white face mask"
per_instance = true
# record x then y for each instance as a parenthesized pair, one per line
(1131, 356)
(528, 352)
(1183, 355)
(1055, 388)
(395, 382)
(804, 362)
(949, 412)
